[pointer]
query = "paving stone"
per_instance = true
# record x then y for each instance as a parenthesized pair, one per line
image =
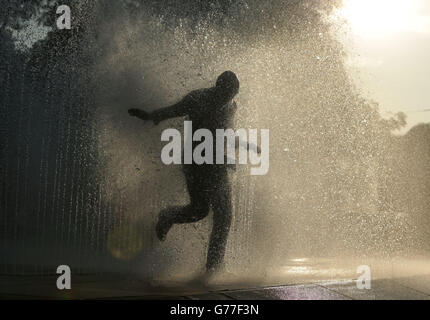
(418, 283)
(380, 290)
(210, 296)
(300, 292)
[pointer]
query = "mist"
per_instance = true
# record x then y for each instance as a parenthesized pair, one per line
(341, 187)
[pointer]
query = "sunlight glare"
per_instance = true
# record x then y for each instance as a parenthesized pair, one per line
(382, 18)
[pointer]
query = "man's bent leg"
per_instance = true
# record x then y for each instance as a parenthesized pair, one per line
(197, 209)
(187, 214)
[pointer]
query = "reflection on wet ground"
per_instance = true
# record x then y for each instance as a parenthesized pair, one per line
(300, 279)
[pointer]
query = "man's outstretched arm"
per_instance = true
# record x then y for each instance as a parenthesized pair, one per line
(180, 109)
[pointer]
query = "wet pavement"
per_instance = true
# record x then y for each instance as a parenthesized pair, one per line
(104, 287)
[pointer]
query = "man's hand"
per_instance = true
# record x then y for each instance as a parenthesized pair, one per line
(139, 114)
(253, 147)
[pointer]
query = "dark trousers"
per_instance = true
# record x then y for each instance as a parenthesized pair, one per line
(208, 187)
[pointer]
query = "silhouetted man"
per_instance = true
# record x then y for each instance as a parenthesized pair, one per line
(207, 184)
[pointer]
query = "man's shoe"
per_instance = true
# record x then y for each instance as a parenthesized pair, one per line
(162, 228)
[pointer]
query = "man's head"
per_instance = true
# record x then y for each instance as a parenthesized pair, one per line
(228, 84)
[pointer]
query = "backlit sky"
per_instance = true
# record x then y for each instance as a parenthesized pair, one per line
(388, 45)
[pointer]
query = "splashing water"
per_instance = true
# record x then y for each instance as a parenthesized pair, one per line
(340, 188)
